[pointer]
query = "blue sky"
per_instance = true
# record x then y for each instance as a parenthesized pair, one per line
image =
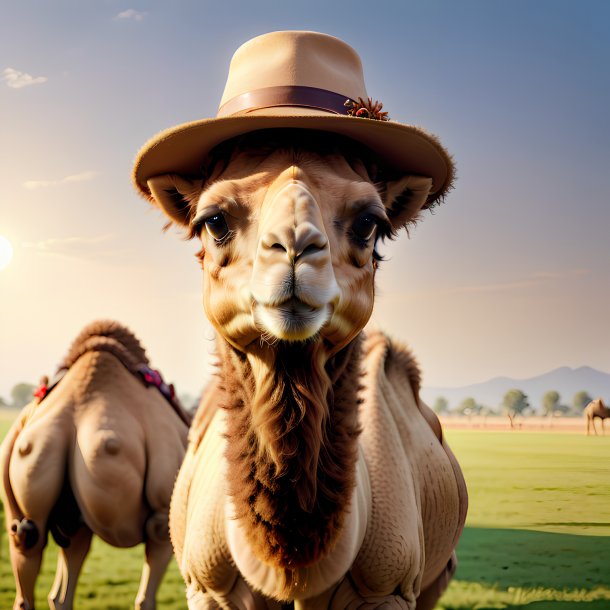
(510, 277)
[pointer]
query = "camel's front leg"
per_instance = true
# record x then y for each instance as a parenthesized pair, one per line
(240, 597)
(346, 596)
(430, 595)
(69, 563)
(157, 555)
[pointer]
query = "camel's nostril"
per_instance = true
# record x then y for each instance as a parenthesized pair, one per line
(278, 246)
(310, 249)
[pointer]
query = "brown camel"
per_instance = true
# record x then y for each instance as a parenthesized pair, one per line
(315, 477)
(596, 408)
(96, 452)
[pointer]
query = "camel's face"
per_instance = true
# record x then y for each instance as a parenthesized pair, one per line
(288, 243)
(288, 248)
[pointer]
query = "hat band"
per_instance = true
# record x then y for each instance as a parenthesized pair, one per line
(290, 95)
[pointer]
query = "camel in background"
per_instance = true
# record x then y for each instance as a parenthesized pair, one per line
(596, 408)
(96, 452)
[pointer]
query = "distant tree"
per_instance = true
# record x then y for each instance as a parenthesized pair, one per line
(469, 406)
(562, 410)
(21, 394)
(514, 403)
(550, 402)
(580, 401)
(441, 405)
(3, 402)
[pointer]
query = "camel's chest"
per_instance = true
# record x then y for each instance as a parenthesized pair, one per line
(412, 514)
(215, 554)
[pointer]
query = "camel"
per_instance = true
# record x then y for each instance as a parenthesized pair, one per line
(596, 408)
(315, 477)
(96, 452)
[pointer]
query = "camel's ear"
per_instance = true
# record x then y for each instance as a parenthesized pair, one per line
(404, 198)
(174, 194)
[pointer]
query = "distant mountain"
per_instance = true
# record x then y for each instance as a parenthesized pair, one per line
(565, 380)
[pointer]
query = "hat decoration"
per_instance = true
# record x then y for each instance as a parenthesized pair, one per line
(366, 110)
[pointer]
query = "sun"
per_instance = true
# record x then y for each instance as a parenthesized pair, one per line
(6, 252)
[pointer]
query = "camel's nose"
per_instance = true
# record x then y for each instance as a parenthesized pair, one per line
(297, 242)
(296, 229)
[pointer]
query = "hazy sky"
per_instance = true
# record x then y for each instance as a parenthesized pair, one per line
(510, 277)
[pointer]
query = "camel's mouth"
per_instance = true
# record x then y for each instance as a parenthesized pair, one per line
(291, 320)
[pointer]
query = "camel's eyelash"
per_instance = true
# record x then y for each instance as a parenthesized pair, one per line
(378, 258)
(226, 239)
(196, 226)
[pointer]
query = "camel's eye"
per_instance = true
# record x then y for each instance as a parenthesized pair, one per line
(217, 227)
(364, 226)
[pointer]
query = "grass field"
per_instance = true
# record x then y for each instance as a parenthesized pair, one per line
(537, 535)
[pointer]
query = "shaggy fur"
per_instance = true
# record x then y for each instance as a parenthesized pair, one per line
(110, 336)
(293, 495)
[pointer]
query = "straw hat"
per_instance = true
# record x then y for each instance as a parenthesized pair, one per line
(303, 80)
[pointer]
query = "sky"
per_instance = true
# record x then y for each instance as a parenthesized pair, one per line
(511, 276)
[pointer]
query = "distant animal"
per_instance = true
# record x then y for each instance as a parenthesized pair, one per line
(315, 477)
(596, 408)
(96, 452)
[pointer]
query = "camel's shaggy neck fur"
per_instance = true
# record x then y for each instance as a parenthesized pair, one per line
(292, 429)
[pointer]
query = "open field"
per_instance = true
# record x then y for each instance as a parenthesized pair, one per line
(537, 536)
(530, 423)
(538, 529)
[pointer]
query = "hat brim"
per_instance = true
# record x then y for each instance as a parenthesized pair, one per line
(405, 148)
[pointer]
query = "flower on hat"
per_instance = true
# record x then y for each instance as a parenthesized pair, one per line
(366, 110)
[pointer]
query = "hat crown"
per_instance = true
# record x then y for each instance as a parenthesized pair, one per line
(296, 80)
(295, 58)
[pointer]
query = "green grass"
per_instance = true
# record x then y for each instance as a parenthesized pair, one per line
(109, 580)
(555, 482)
(6, 418)
(538, 527)
(537, 535)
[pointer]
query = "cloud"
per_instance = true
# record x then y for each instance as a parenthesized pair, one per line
(532, 281)
(98, 246)
(536, 279)
(131, 13)
(17, 80)
(82, 177)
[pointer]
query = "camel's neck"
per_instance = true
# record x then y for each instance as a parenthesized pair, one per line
(292, 428)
